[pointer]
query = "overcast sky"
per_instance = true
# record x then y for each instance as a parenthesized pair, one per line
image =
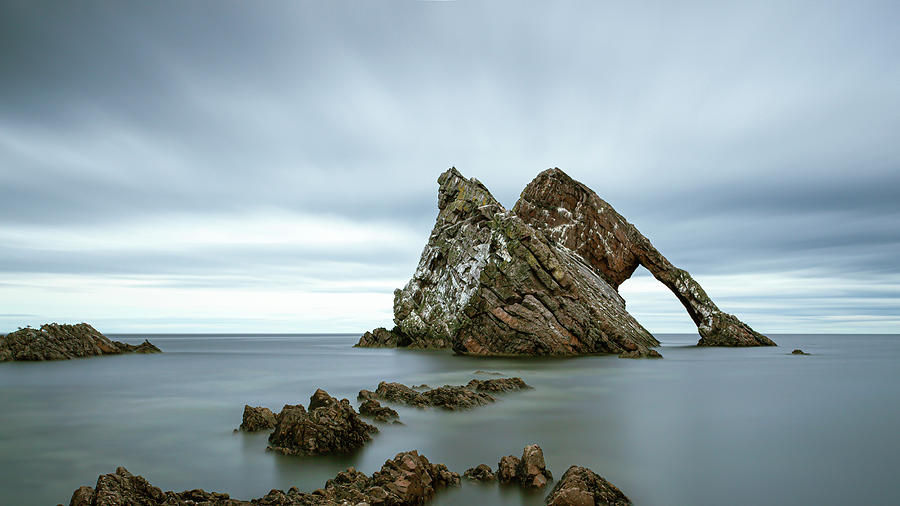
(271, 167)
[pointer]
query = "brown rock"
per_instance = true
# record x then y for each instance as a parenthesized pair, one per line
(400, 393)
(456, 397)
(383, 338)
(482, 472)
(374, 409)
(799, 352)
(257, 418)
(507, 469)
(644, 353)
(330, 426)
(61, 342)
(580, 486)
(532, 471)
(498, 385)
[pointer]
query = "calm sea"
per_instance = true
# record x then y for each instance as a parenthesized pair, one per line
(701, 427)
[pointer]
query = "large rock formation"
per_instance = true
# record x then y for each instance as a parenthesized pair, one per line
(407, 479)
(60, 342)
(580, 486)
(541, 279)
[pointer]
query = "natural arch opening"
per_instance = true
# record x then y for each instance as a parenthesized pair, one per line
(657, 309)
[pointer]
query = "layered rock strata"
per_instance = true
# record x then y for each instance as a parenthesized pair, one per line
(329, 426)
(61, 342)
(580, 486)
(541, 279)
(407, 479)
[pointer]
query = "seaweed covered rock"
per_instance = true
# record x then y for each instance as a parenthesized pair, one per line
(541, 279)
(329, 426)
(580, 486)
(61, 342)
(408, 479)
(456, 397)
(257, 418)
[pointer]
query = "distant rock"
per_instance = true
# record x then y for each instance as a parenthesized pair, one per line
(481, 472)
(541, 279)
(799, 352)
(498, 385)
(257, 418)
(330, 426)
(373, 409)
(61, 342)
(529, 470)
(407, 479)
(449, 397)
(383, 338)
(580, 486)
(641, 354)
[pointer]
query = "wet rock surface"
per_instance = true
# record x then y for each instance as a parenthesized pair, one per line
(330, 426)
(373, 409)
(383, 338)
(257, 418)
(61, 342)
(580, 486)
(541, 279)
(528, 471)
(449, 397)
(481, 472)
(407, 479)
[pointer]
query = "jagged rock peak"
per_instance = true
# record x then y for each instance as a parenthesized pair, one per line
(460, 194)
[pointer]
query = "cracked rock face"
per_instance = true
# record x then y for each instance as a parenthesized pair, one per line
(541, 279)
(61, 342)
(257, 418)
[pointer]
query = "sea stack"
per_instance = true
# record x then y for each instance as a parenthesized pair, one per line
(541, 279)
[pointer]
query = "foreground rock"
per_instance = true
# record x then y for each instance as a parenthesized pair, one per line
(449, 397)
(257, 418)
(407, 479)
(529, 470)
(541, 279)
(330, 426)
(580, 486)
(61, 342)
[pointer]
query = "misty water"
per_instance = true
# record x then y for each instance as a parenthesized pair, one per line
(702, 426)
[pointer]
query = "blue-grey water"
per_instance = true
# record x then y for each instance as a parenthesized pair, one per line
(703, 426)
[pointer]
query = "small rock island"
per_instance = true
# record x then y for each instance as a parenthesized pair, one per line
(540, 279)
(62, 342)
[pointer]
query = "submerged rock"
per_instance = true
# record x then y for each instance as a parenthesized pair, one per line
(641, 354)
(541, 279)
(329, 426)
(373, 409)
(407, 479)
(580, 486)
(799, 352)
(61, 342)
(257, 418)
(481, 472)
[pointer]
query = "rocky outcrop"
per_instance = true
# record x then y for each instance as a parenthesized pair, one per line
(580, 486)
(61, 342)
(541, 279)
(373, 409)
(383, 338)
(573, 216)
(329, 426)
(407, 479)
(498, 385)
(529, 470)
(257, 418)
(449, 397)
(799, 352)
(481, 472)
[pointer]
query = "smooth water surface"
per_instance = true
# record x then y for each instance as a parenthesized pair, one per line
(701, 427)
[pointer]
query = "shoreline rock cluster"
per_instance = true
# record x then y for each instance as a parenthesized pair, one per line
(540, 279)
(407, 479)
(53, 341)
